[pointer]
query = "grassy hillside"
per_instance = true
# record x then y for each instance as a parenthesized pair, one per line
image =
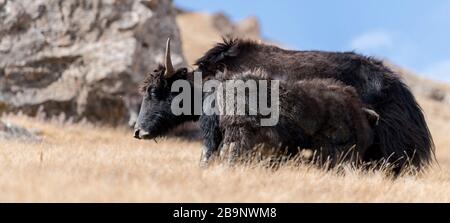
(81, 162)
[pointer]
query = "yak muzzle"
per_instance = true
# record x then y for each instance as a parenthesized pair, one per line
(141, 134)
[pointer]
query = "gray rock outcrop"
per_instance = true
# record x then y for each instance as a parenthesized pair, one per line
(81, 58)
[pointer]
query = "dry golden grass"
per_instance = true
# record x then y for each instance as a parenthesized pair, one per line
(85, 163)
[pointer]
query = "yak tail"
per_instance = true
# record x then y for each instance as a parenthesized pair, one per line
(402, 133)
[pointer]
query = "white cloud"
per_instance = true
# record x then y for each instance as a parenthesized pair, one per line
(372, 40)
(439, 70)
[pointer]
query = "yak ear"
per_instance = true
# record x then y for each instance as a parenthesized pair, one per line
(372, 116)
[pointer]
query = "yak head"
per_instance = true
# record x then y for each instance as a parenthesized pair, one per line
(155, 116)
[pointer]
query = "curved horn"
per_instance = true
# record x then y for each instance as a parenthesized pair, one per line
(168, 61)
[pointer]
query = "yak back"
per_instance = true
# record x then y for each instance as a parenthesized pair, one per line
(236, 55)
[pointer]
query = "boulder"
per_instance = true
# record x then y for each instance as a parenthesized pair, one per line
(84, 59)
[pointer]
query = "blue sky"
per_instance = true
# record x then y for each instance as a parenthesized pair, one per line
(412, 33)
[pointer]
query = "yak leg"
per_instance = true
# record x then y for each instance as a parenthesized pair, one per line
(212, 138)
(238, 144)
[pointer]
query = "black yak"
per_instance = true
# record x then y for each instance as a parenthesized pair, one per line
(323, 115)
(402, 135)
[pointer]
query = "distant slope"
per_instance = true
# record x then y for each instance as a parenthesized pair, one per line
(200, 31)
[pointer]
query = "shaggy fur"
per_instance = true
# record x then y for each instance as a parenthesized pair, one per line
(402, 136)
(323, 115)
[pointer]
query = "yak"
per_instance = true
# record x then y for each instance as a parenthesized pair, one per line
(322, 115)
(401, 136)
